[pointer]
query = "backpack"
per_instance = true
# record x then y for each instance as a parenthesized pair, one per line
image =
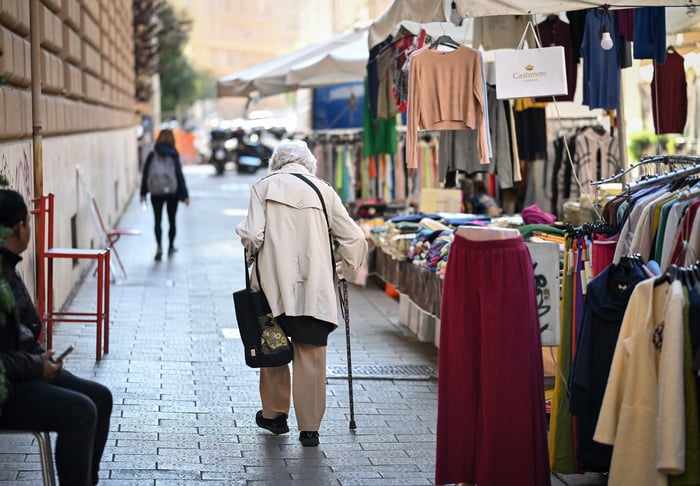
(162, 179)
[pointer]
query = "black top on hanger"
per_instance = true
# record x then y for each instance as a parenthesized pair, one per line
(444, 40)
(599, 129)
(668, 276)
(630, 261)
(587, 229)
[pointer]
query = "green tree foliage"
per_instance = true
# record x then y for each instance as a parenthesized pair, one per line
(146, 27)
(180, 82)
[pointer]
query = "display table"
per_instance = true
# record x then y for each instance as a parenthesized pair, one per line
(420, 294)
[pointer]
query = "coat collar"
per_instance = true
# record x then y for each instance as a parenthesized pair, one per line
(292, 168)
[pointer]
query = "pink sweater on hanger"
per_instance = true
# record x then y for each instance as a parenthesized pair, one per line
(445, 93)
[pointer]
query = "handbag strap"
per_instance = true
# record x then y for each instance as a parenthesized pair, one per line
(325, 213)
(247, 274)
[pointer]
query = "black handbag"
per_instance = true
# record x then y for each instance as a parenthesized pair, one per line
(264, 342)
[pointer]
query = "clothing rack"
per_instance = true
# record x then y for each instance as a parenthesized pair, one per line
(336, 135)
(647, 181)
(587, 229)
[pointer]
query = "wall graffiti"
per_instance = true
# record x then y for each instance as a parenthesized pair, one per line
(16, 170)
(23, 177)
(4, 171)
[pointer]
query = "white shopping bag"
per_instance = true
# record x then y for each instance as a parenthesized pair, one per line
(526, 73)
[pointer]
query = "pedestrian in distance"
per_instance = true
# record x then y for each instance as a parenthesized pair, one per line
(287, 235)
(41, 394)
(162, 177)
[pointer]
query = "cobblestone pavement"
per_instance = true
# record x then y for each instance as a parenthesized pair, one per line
(184, 400)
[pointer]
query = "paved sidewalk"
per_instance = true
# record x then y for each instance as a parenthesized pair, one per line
(184, 400)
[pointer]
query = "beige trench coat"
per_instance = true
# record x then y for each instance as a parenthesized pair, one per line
(295, 261)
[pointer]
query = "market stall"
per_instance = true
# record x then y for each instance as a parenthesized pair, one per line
(585, 246)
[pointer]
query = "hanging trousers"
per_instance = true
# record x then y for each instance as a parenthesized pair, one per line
(491, 426)
(308, 388)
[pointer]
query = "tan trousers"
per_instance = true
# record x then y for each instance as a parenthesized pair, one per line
(308, 387)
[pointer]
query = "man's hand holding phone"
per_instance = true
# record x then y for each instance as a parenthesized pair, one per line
(60, 357)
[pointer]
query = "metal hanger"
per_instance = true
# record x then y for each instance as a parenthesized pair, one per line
(445, 40)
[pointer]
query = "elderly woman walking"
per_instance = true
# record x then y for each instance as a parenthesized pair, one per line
(287, 232)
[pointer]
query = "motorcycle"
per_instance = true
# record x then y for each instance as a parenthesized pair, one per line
(238, 146)
(249, 153)
(220, 152)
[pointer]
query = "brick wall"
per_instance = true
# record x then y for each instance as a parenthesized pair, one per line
(87, 66)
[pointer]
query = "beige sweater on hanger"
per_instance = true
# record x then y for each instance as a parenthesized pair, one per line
(445, 93)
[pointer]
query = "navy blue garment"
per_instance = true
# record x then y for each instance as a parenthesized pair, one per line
(607, 296)
(373, 76)
(694, 324)
(414, 217)
(466, 220)
(601, 68)
(650, 33)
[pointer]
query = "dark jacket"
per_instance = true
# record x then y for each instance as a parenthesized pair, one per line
(20, 350)
(607, 297)
(165, 149)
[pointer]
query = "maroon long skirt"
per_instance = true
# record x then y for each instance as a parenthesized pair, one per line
(491, 425)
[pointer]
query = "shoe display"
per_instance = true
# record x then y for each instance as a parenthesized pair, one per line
(276, 426)
(159, 254)
(308, 439)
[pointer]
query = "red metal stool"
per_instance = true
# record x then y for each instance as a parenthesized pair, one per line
(45, 260)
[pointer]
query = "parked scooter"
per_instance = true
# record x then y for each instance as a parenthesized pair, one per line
(220, 151)
(250, 154)
(243, 148)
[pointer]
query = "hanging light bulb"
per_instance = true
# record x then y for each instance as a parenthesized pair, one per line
(606, 41)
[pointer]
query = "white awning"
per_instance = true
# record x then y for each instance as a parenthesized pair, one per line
(344, 64)
(426, 11)
(314, 64)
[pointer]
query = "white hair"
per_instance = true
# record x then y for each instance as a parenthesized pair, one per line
(293, 152)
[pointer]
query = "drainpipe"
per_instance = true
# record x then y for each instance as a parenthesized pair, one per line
(35, 53)
(37, 153)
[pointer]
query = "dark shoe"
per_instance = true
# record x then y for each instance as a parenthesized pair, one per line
(308, 439)
(276, 426)
(171, 250)
(159, 254)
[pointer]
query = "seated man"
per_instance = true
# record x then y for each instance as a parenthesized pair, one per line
(41, 394)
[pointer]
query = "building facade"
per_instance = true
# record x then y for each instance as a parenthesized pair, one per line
(231, 35)
(67, 71)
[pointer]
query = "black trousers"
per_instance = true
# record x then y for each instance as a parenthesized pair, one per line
(170, 201)
(78, 410)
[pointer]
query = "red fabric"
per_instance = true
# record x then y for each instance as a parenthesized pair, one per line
(683, 234)
(492, 184)
(669, 97)
(603, 253)
(491, 426)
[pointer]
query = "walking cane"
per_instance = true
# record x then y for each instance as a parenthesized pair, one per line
(345, 308)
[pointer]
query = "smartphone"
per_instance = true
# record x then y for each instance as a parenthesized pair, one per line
(65, 353)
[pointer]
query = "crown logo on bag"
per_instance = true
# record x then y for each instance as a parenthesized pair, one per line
(529, 67)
